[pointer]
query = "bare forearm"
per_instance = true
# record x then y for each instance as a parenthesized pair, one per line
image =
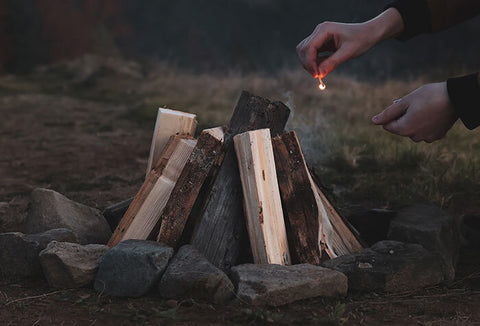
(386, 25)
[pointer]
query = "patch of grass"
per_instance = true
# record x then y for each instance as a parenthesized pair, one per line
(360, 162)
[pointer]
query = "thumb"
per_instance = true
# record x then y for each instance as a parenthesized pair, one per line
(330, 63)
(393, 112)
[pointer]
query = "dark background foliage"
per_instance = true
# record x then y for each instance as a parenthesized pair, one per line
(215, 35)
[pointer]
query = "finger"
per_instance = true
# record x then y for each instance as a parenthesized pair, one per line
(394, 127)
(416, 139)
(393, 112)
(330, 63)
(311, 48)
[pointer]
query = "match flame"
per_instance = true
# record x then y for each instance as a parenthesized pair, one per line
(321, 85)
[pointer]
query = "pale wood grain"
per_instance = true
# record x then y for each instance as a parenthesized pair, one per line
(220, 233)
(169, 122)
(263, 207)
(145, 189)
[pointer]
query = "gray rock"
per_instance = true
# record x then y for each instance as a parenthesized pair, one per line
(276, 285)
(114, 213)
(132, 268)
(390, 266)
(191, 276)
(432, 228)
(19, 253)
(70, 265)
(49, 210)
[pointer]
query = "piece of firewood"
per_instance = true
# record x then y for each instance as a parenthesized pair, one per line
(185, 142)
(299, 202)
(221, 235)
(169, 123)
(207, 155)
(339, 239)
(263, 206)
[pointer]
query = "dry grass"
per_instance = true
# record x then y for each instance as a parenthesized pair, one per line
(362, 164)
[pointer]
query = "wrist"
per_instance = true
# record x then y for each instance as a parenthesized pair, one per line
(385, 26)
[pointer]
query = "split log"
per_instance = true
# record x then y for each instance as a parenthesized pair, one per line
(220, 235)
(169, 123)
(313, 223)
(299, 202)
(176, 150)
(206, 156)
(339, 239)
(263, 206)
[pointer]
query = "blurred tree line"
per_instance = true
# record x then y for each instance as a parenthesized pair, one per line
(214, 35)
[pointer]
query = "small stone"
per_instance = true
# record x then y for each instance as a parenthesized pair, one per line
(365, 265)
(171, 303)
(191, 276)
(132, 268)
(114, 213)
(19, 253)
(409, 267)
(277, 285)
(70, 265)
(432, 228)
(49, 210)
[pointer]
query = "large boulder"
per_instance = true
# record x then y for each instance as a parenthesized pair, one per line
(276, 285)
(71, 265)
(19, 252)
(132, 268)
(191, 276)
(390, 266)
(49, 210)
(432, 228)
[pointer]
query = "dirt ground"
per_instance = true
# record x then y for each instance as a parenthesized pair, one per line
(95, 153)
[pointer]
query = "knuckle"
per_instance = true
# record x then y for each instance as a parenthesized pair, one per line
(325, 25)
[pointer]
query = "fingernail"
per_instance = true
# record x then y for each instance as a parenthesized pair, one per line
(376, 118)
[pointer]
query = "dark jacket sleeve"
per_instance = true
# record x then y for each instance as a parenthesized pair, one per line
(464, 93)
(430, 16)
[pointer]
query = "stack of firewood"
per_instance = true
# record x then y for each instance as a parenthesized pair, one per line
(234, 192)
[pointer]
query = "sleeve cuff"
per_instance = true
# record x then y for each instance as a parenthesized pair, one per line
(464, 93)
(415, 15)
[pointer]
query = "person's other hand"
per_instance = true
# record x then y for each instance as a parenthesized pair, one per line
(425, 114)
(345, 41)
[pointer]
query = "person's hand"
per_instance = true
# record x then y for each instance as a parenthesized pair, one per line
(345, 41)
(425, 114)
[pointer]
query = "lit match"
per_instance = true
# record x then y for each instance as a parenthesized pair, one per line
(321, 85)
